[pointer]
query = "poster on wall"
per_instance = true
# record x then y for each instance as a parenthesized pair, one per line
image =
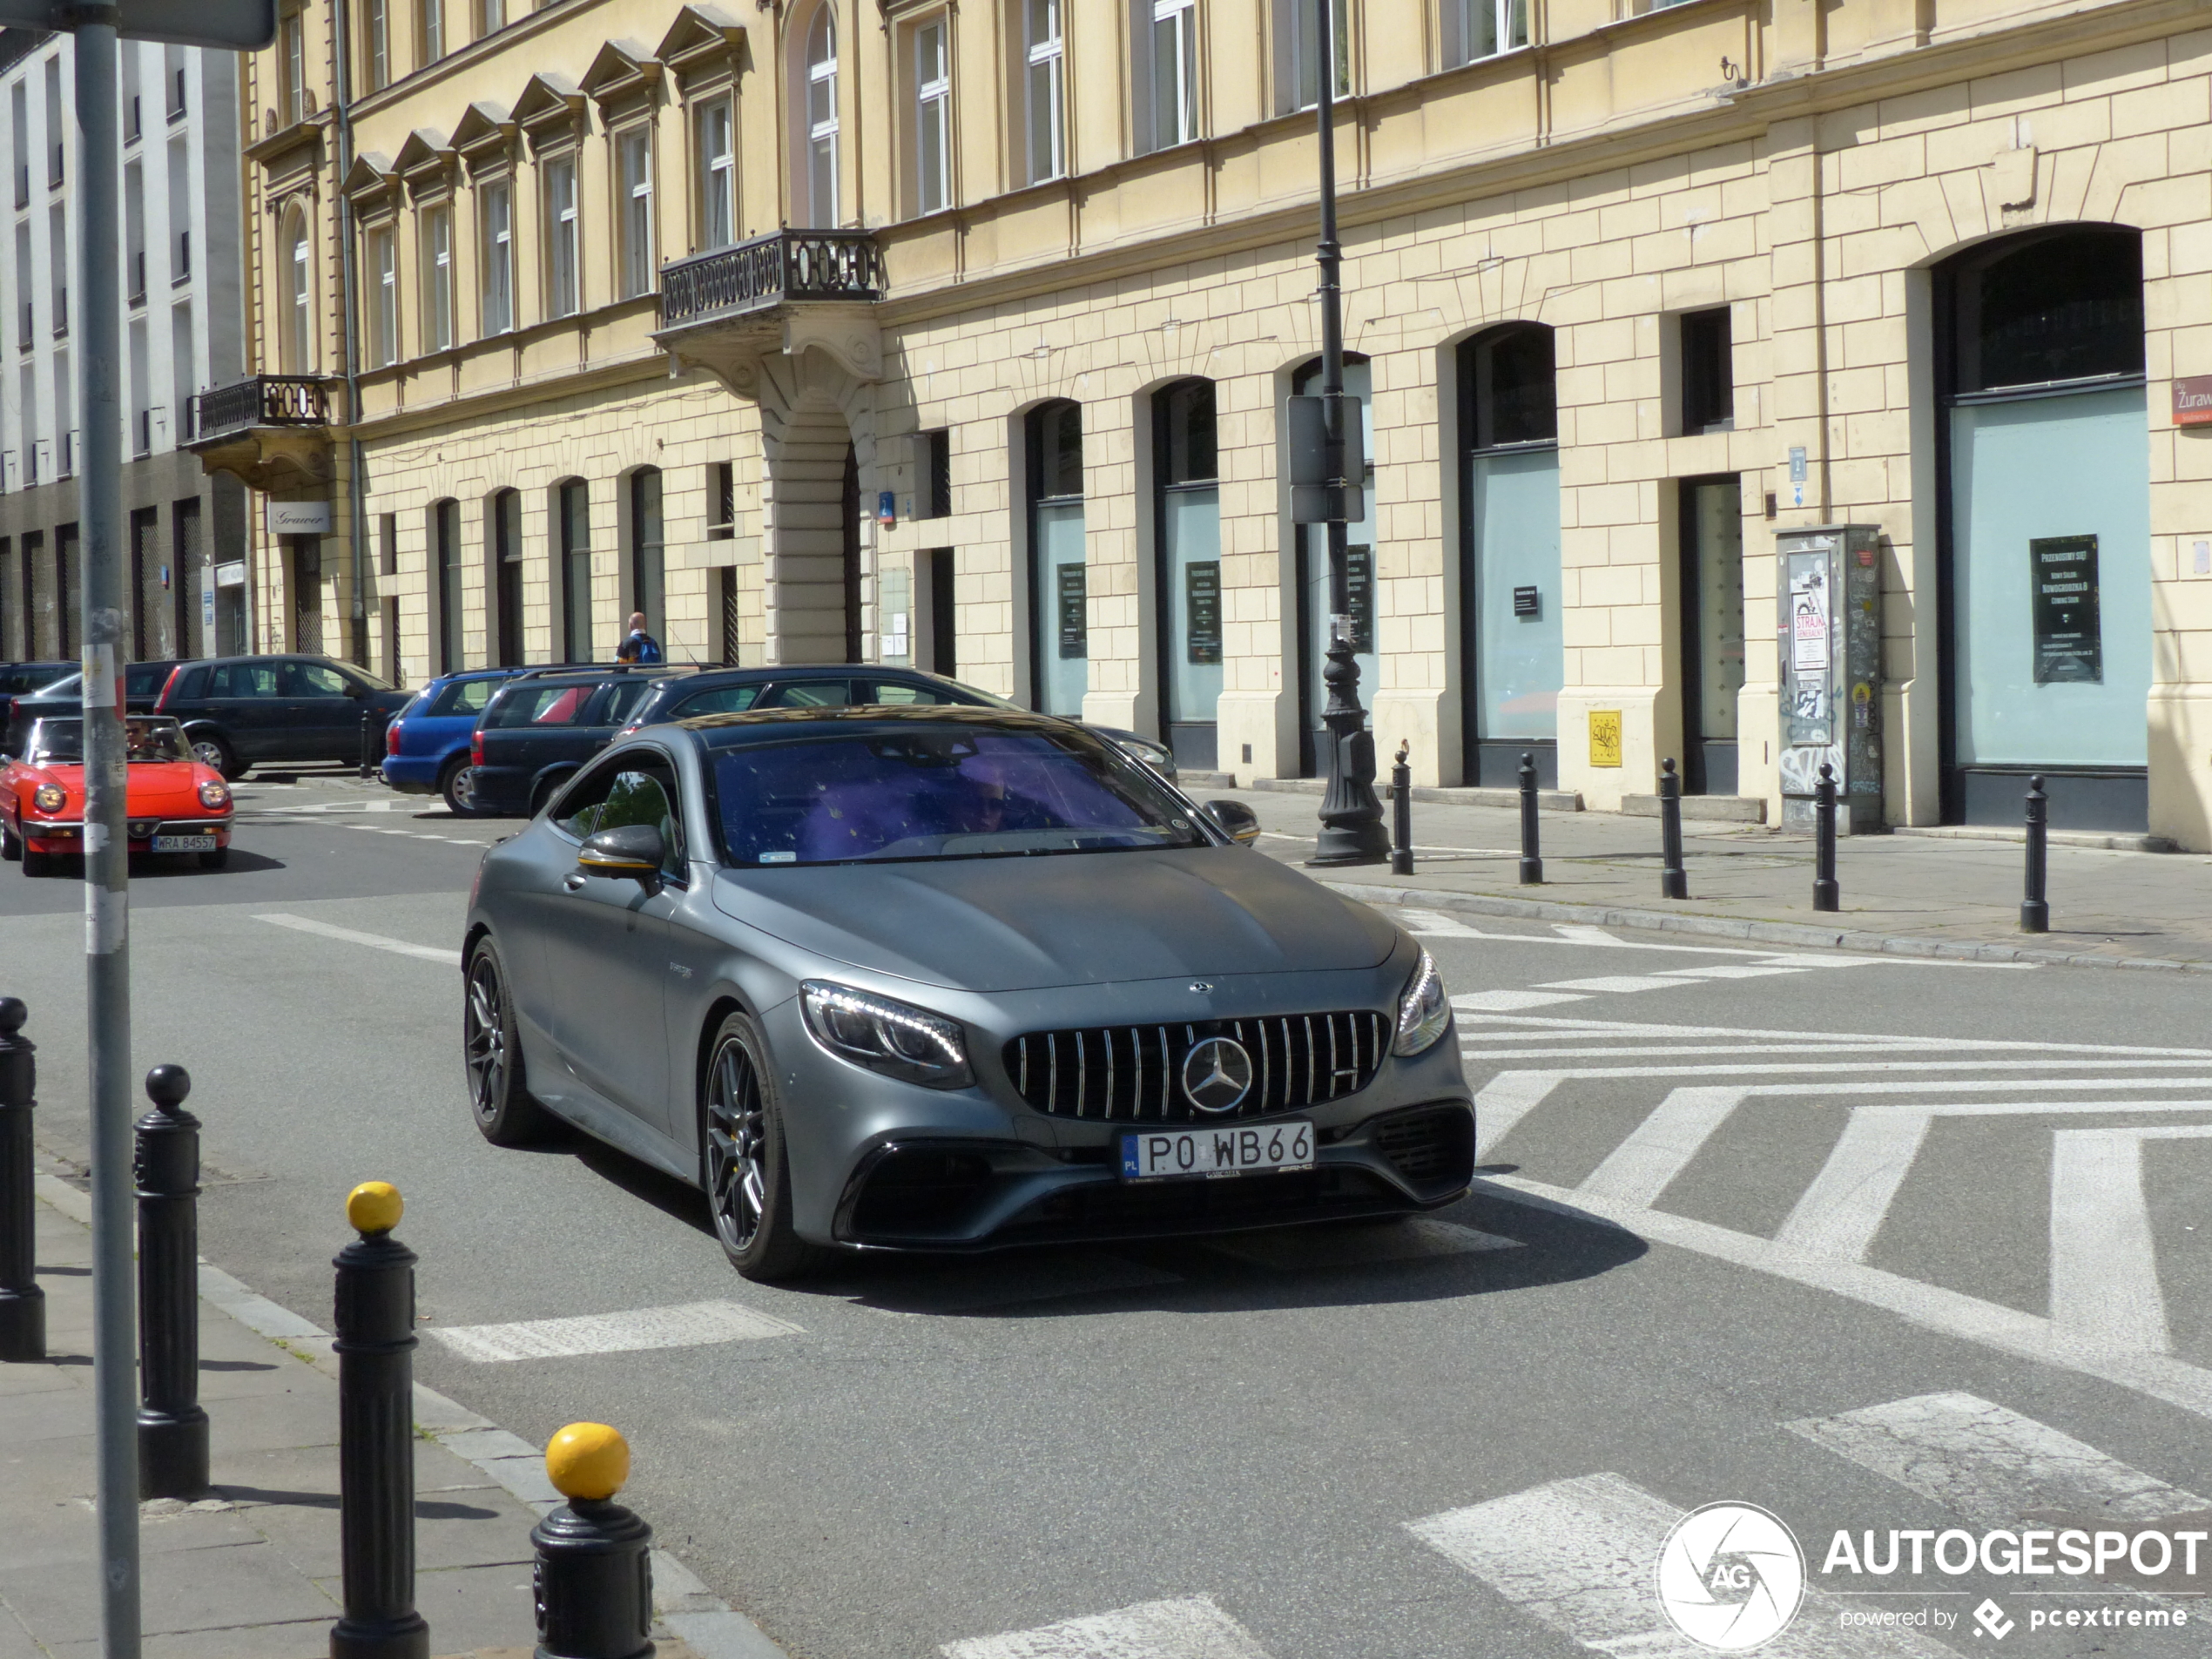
(1074, 617)
(1202, 611)
(2069, 645)
(1809, 617)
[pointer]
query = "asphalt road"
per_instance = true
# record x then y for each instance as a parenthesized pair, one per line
(1871, 1244)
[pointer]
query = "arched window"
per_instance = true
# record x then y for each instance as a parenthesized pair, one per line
(1187, 506)
(819, 104)
(296, 330)
(506, 526)
(648, 550)
(1059, 590)
(445, 571)
(1513, 649)
(1316, 603)
(2046, 546)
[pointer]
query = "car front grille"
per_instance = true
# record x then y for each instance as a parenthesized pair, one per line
(1133, 1074)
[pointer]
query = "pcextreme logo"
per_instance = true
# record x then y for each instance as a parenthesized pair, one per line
(1730, 1576)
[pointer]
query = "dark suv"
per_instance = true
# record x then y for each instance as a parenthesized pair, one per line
(240, 711)
(542, 725)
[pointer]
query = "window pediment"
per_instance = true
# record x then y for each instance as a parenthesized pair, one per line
(548, 103)
(700, 35)
(484, 133)
(623, 73)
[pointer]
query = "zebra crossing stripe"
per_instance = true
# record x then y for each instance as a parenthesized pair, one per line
(1191, 1628)
(1554, 1024)
(1990, 1464)
(1504, 1000)
(2104, 1262)
(1582, 1556)
(689, 1326)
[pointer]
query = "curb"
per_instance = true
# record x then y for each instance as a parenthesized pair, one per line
(681, 1601)
(1767, 933)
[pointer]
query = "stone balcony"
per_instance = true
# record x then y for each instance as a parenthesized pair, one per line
(781, 292)
(272, 430)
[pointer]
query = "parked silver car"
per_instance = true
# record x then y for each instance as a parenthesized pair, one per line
(944, 979)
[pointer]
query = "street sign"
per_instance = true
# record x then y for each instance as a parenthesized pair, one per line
(246, 25)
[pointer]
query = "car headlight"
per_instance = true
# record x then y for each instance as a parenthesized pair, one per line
(1422, 1011)
(48, 798)
(214, 797)
(894, 1038)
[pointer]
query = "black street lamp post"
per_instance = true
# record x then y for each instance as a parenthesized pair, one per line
(1351, 818)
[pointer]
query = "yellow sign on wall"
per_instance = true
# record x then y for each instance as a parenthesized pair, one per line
(1605, 737)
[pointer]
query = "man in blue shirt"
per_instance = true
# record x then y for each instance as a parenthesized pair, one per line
(639, 646)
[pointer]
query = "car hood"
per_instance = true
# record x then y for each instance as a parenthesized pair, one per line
(157, 787)
(1083, 919)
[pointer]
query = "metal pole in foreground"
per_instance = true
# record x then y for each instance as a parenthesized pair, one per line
(1401, 812)
(1351, 826)
(107, 847)
(173, 1429)
(1673, 881)
(1532, 862)
(1826, 895)
(22, 1303)
(2035, 907)
(375, 1320)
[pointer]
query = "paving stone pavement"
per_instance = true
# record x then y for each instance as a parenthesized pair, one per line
(1906, 892)
(251, 1571)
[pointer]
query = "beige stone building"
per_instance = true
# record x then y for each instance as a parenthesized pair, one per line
(1637, 293)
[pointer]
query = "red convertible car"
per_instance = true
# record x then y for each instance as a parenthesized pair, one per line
(176, 803)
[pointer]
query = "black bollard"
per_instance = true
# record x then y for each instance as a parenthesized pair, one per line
(2035, 908)
(375, 1317)
(1826, 895)
(23, 1303)
(1532, 862)
(595, 1569)
(1401, 813)
(369, 743)
(1673, 881)
(173, 1429)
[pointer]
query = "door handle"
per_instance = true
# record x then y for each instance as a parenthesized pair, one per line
(573, 881)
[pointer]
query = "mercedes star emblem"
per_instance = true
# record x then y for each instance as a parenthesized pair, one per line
(1216, 1073)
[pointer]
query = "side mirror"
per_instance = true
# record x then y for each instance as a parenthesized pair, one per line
(1237, 821)
(635, 850)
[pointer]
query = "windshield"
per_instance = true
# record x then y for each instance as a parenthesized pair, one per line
(938, 793)
(147, 737)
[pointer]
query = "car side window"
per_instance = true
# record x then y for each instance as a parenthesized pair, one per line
(632, 789)
(808, 694)
(622, 697)
(723, 699)
(245, 679)
(313, 679)
(897, 693)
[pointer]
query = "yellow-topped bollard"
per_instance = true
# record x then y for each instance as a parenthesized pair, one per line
(587, 1460)
(373, 1207)
(594, 1568)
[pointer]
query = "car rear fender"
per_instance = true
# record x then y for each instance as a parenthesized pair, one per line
(549, 779)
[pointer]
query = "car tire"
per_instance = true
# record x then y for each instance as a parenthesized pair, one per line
(453, 784)
(37, 863)
(744, 1163)
(10, 848)
(499, 1095)
(214, 860)
(211, 751)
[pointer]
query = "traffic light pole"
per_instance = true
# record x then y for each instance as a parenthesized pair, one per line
(106, 834)
(1352, 818)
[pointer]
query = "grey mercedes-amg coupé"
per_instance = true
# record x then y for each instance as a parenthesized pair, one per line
(949, 979)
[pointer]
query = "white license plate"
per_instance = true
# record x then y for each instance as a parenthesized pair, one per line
(1233, 1148)
(183, 844)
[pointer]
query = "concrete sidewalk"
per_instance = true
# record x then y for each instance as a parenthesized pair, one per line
(1908, 894)
(251, 1571)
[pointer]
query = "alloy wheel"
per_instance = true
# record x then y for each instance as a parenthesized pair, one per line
(209, 753)
(736, 1146)
(484, 1037)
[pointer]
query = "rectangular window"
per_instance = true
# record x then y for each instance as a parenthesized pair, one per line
(379, 52)
(437, 278)
(24, 312)
(1172, 62)
(134, 232)
(726, 611)
(134, 126)
(1046, 91)
(932, 118)
(495, 207)
(65, 416)
(292, 67)
(634, 152)
(58, 266)
(491, 16)
(717, 176)
(179, 211)
(1707, 372)
(383, 298)
(57, 121)
(1475, 29)
(19, 127)
(172, 64)
(184, 375)
(721, 500)
(1298, 53)
(434, 30)
(561, 296)
(934, 452)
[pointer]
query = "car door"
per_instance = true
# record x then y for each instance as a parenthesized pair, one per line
(245, 700)
(606, 951)
(322, 722)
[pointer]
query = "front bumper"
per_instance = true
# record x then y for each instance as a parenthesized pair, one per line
(62, 836)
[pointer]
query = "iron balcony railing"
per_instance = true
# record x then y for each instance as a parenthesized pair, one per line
(776, 269)
(263, 399)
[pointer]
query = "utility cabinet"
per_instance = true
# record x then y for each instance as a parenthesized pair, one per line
(1830, 600)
